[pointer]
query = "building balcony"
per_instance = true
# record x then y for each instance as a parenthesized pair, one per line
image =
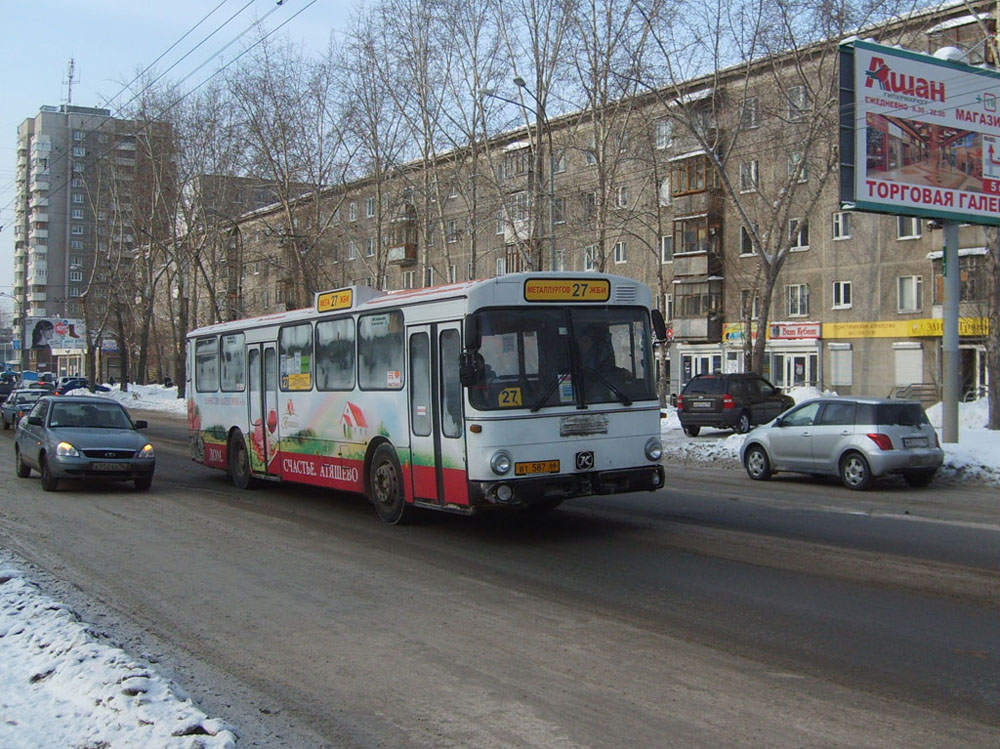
(698, 264)
(36, 296)
(402, 254)
(39, 233)
(706, 327)
(38, 185)
(39, 202)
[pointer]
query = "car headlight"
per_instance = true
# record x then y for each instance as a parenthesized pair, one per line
(147, 451)
(66, 450)
(500, 462)
(654, 449)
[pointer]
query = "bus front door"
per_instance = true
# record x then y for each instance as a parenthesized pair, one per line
(437, 462)
(263, 405)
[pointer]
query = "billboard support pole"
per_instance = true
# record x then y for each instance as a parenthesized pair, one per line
(949, 334)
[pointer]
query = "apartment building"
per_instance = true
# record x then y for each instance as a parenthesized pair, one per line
(80, 184)
(637, 190)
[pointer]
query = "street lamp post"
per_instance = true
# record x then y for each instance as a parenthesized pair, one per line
(534, 141)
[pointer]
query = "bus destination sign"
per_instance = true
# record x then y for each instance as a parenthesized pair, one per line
(329, 301)
(567, 290)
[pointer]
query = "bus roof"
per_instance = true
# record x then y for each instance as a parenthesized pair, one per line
(548, 287)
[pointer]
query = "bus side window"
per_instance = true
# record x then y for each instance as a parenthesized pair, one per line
(451, 387)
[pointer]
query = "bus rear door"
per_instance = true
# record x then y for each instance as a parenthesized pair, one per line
(263, 405)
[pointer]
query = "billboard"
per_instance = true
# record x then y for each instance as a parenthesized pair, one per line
(920, 136)
(54, 333)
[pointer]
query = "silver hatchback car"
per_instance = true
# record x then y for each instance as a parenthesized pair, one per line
(858, 439)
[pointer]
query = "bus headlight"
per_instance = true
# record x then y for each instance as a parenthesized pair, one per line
(654, 448)
(66, 450)
(500, 462)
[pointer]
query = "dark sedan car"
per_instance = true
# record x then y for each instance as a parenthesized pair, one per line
(83, 437)
(18, 403)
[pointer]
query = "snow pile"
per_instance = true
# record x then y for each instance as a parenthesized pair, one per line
(61, 686)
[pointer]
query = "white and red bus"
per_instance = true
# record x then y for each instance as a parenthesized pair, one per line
(522, 390)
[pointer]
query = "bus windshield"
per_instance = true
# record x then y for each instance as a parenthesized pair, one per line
(547, 356)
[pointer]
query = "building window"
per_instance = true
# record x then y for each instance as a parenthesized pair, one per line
(500, 221)
(590, 206)
(691, 235)
(907, 227)
(749, 115)
(77, 166)
(559, 211)
(469, 272)
(693, 175)
(452, 235)
(501, 266)
(590, 257)
(798, 169)
(559, 162)
(76, 275)
(749, 304)
(620, 252)
(841, 225)
(668, 306)
(909, 293)
(79, 151)
(352, 211)
(749, 175)
(621, 197)
(746, 240)
(974, 280)
(78, 198)
(841, 294)
(409, 279)
(559, 261)
(77, 213)
(352, 249)
(664, 134)
(798, 103)
(798, 234)
(666, 248)
(370, 248)
(797, 300)
(370, 207)
(428, 277)
(452, 274)
(78, 135)
(665, 191)
(74, 291)
(76, 229)
(77, 182)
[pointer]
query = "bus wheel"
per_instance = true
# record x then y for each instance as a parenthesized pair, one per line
(385, 485)
(239, 462)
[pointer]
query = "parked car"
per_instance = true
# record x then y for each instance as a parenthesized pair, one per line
(18, 403)
(729, 401)
(83, 437)
(857, 439)
(68, 384)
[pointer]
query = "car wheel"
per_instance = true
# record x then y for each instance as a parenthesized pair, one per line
(757, 464)
(919, 478)
(49, 482)
(743, 425)
(385, 485)
(855, 472)
(692, 431)
(239, 462)
(144, 483)
(23, 470)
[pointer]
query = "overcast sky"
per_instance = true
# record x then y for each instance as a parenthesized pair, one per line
(110, 40)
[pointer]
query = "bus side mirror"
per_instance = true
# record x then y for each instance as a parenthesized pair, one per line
(472, 333)
(659, 326)
(469, 368)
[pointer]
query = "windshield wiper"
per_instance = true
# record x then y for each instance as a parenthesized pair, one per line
(604, 380)
(549, 390)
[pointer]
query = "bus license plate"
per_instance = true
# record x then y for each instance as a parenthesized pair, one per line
(536, 466)
(106, 466)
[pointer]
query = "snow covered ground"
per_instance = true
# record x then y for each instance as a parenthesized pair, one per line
(62, 685)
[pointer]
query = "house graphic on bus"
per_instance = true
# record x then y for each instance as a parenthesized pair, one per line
(353, 422)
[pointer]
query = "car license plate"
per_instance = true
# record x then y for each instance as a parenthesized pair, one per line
(701, 404)
(107, 467)
(536, 466)
(914, 442)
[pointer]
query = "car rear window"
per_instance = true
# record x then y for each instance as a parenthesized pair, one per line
(892, 414)
(707, 386)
